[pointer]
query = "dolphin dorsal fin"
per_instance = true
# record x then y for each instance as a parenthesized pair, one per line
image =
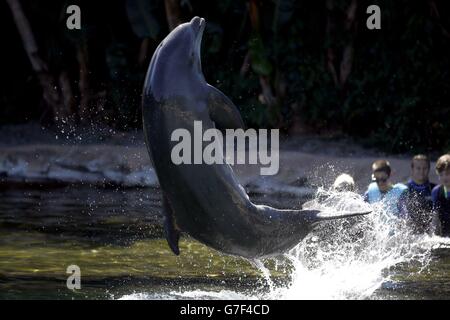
(223, 111)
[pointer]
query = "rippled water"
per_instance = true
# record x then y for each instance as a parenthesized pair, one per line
(114, 236)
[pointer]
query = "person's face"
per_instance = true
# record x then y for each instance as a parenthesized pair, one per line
(420, 171)
(444, 178)
(382, 180)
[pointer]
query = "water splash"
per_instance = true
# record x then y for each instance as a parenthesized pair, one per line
(349, 259)
(341, 259)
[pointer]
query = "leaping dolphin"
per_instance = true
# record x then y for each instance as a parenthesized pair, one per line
(205, 200)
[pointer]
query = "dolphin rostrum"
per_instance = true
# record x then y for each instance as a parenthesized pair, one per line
(205, 200)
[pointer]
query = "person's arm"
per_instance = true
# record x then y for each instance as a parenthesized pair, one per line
(402, 205)
(436, 228)
(366, 196)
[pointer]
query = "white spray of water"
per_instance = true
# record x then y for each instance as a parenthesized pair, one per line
(345, 259)
(342, 259)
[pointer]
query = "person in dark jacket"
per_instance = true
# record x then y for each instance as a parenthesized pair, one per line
(415, 202)
(441, 196)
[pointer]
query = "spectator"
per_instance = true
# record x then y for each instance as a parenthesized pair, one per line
(441, 196)
(382, 190)
(415, 203)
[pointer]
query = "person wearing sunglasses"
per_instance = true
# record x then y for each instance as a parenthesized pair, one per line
(382, 190)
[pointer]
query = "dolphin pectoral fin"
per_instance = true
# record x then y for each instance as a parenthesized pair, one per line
(223, 111)
(172, 234)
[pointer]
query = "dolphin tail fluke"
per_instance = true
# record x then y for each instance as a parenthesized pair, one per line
(172, 234)
(307, 216)
(317, 215)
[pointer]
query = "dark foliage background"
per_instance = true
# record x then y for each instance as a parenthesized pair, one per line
(303, 66)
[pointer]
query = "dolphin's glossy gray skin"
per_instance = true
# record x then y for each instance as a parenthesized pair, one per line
(206, 201)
